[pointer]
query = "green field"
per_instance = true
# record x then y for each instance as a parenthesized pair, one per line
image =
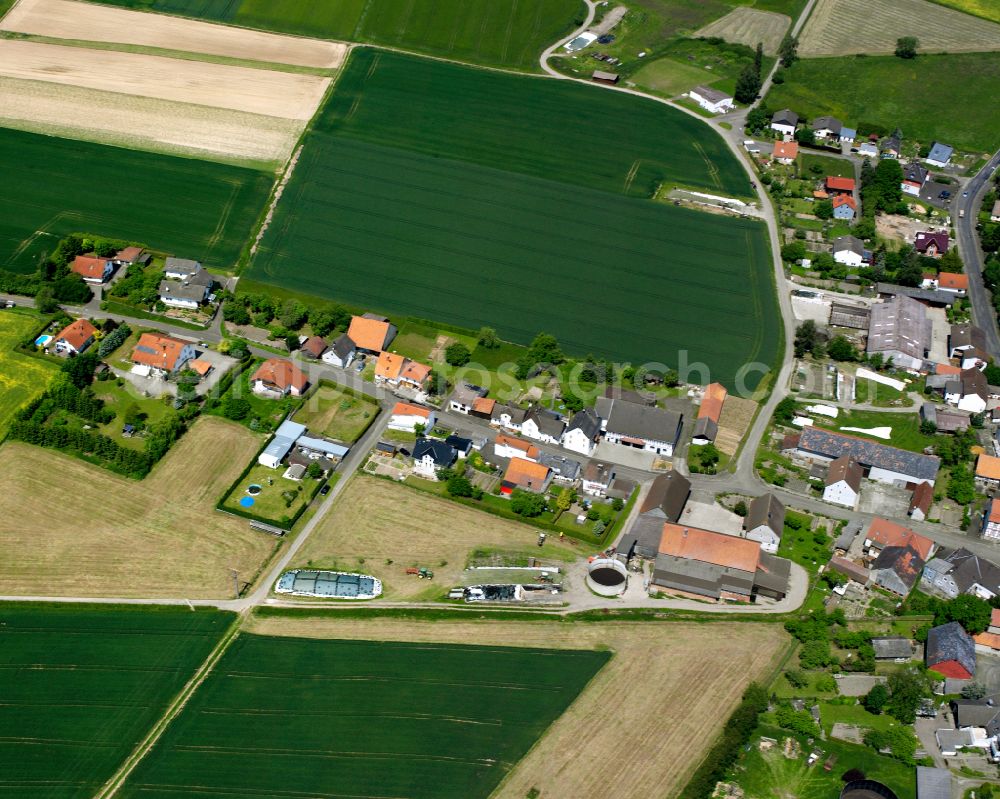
(295, 717)
(443, 192)
(337, 413)
(987, 9)
(21, 378)
(905, 427)
(81, 686)
(878, 90)
(195, 209)
(510, 33)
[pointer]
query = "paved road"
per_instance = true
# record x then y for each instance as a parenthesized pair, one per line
(968, 244)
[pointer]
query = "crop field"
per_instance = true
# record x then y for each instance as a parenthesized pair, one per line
(81, 686)
(66, 19)
(384, 528)
(505, 33)
(644, 742)
(308, 717)
(877, 91)
(987, 9)
(749, 26)
(849, 27)
(21, 378)
(410, 198)
(69, 528)
(194, 209)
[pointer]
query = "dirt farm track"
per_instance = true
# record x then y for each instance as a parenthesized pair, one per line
(62, 19)
(681, 680)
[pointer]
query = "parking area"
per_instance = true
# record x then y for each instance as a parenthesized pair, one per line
(884, 500)
(220, 365)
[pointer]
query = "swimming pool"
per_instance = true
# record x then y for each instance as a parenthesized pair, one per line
(42, 340)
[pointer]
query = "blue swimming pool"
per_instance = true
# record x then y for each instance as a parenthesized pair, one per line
(42, 340)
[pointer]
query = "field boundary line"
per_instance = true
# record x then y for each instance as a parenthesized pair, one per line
(117, 780)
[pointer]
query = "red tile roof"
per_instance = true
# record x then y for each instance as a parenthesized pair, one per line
(709, 547)
(281, 373)
(415, 372)
(988, 467)
(922, 497)
(839, 184)
(314, 345)
(711, 403)
(77, 333)
(129, 254)
(526, 474)
(389, 365)
(951, 280)
(368, 334)
(483, 405)
(529, 450)
(844, 199)
(162, 352)
(890, 534)
(89, 266)
(408, 409)
(786, 149)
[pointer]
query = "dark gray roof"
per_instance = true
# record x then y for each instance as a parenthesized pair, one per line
(564, 467)
(933, 783)
(459, 443)
(935, 296)
(892, 647)
(517, 415)
(641, 421)
(766, 510)
(549, 422)
(181, 266)
(442, 454)
(976, 713)
(621, 488)
(967, 335)
(832, 123)
(891, 143)
(785, 117)
(175, 289)
(969, 569)
(710, 94)
(645, 532)
(914, 172)
(940, 152)
(698, 577)
(898, 568)
(706, 428)
(900, 325)
(847, 535)
(587, 421)
(852, 243)
(773, 573)
(343, 346)
(950, 642)
(599, 472)
(667, 496)
(200, 278)
(831, 444)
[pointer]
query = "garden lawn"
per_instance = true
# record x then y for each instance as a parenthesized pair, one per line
(22, 378)
(195, 209)
(808, 548)
(337, 413)
(279, 497)
(905, 428)
(836, 167)
(505, 33)
(118, 398)
(878, 90)
(81, 686)
(446, 193)
(265, 413)
(831, 714)
(869, 392)
(362, 718)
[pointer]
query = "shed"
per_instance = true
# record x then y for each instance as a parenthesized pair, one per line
(600, 76)
(892, 648)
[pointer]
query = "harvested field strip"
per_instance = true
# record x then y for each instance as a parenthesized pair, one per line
(125, 538)
(519, 124)
(434, 721)
(644, 744)
(749, 26)
(277, 94)
(145, 123)
(63, 19)
(509, 33)
(847, 27)
(192, 208)
(82, 685)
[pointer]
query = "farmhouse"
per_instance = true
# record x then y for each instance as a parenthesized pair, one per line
(464, 397)
(914, 178)
(161, 355)
(849, 251)
(785, 122)
(639, 426)
(827, 128)
(582, 432)
(950, 651)
(883, 534)
(525, 475)
(900, 329)
(664, 502)
(785, 152)
(508, 447)
(843, 482)
(883, 463)
(897, 568)
(969, 392)
(991, 521)
(939, 155)
(313, 347)
(509, 417)
(965, 337)
(92, 269)
(543, 425)
(706, 428)
(920, 502)
(844, 207)
(838, 185)
(712, 99)
(190, 292)
(931, 244)
(429, 455)
(406, 416)
(75, 337)
(988, 471)
(285, 436)
(930, 298)
(341, 353)
(371, 333)
(180, 268)
(765, 522)
(277, 377)
(959, 571)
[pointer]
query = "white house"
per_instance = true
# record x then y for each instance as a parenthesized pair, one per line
(406, 416)
(827, 128)
(642, 427)
(995, 213)
(848, 250)
(843, 483)
(968, 392)
(765, 522)
(509, 417)
(75, 337)
(712, 99)
(914, 178)
(341, 353)
(429, 455)
(284, 439)
(991, 521)
(463, 398)
(180, 268)
(189, 293)
(785, 122)
(543, 425)
(508, 447)
(868, 150)
(583, 432)
(939, 155)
